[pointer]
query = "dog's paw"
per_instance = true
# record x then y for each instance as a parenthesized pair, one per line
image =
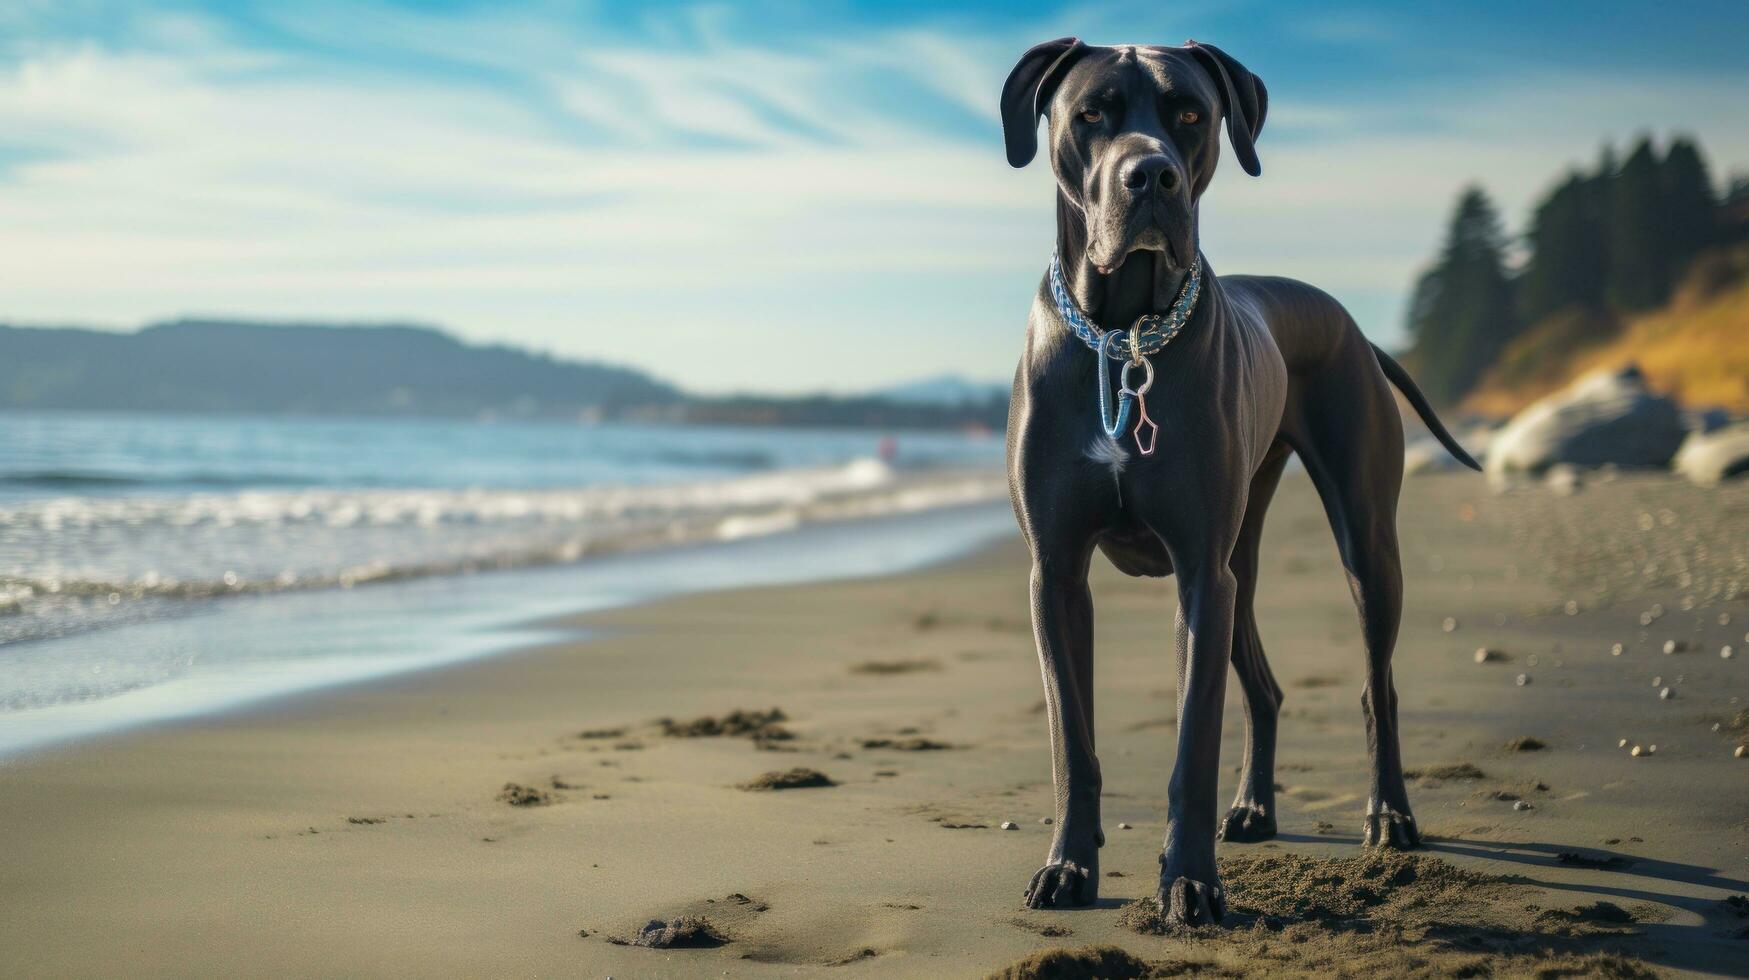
(1062, 885)
(1187, 902)
(1247, 823)
(1391, 829)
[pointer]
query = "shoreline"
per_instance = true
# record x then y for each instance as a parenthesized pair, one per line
(458, 619)
(360, 831)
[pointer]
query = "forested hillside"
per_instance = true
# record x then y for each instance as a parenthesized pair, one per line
(1496, 321)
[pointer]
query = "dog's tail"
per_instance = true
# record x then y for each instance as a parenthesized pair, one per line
(1405, 384)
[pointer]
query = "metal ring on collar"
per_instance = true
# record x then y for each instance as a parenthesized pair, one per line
(1147, 367)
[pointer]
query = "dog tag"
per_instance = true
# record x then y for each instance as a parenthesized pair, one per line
(1144, 422)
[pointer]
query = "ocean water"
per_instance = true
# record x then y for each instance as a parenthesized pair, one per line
(158, 566)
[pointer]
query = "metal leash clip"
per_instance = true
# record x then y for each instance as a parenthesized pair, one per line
(1140, 394)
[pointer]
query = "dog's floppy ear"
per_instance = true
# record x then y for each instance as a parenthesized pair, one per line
(1027, 92)
(1247, 101)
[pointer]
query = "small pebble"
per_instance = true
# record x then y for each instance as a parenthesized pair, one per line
(1636, 751)
(1657, 682)
(1715, 726)
(1483, 655)
(1645, 619)
(1664, 694)
(1615, 651)
(1530, 661)
(1724, 619)
(1572, 607)
(1123, 826)
(1742, 751)
(1010, 825)
(1450, 625)
(1674, 646)
(1045, 820)
(1726, 653)
(1622, 744)
(1651, 749)
(1523, 679)
(1522, 805)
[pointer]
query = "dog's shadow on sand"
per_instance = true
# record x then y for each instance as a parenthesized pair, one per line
(1708, 945)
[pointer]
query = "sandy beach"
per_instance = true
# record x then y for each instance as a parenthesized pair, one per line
(525, 814)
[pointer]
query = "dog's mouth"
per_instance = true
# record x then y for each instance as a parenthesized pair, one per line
(1177, 246)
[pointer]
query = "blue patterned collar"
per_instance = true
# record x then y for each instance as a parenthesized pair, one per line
(1150, 332)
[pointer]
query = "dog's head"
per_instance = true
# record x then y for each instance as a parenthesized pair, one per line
(1133, 136)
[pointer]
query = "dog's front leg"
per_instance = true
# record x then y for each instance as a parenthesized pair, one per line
(1190, 887)
(1062, 624)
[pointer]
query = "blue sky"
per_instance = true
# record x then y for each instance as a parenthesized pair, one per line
(774, 196)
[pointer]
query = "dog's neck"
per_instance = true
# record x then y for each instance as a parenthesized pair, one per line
(1145, 283)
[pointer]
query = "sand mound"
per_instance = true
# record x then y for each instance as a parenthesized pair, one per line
(700, 925)
(1606, 965)
(517, 794)
(1598, 913)
(1607, 862)
(917, 744)
(740, 723)
(1293, 887)
(888, 667)
(797, 778)
(1395, 914)
(681, 932)
(1453, 770)
(1097, 963)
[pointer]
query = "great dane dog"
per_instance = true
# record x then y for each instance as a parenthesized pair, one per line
(1261, 369)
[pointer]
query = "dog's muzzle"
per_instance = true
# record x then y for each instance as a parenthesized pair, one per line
(1142, 204)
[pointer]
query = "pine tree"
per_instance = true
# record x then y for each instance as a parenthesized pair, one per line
(1461, 314)
(1639, 263)
(1569, 264)
(1689, 208)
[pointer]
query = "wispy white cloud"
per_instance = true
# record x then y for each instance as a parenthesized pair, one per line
(729, 211)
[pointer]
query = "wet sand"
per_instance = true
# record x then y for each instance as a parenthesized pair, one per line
(531, 814)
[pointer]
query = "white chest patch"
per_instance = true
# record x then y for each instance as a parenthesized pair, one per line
(1105, 451)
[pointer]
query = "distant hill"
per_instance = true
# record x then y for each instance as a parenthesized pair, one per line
(216, 366)
(304, 369)
(951, 390)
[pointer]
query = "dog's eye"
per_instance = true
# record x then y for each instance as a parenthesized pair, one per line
(1092, 115)
(1190, 117)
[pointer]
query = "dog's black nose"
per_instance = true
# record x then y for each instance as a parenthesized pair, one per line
(1150, 173)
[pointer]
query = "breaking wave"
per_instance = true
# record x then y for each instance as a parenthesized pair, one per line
(77, 562)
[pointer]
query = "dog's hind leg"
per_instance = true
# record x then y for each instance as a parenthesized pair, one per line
(1375, 576)
(1062, 618)
(1252, 817)
(1353, 449)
